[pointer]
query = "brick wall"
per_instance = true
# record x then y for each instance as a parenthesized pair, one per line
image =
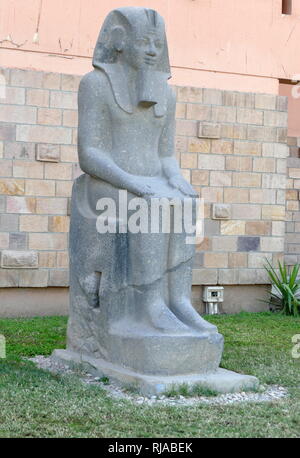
(292, 241)
(231, 147)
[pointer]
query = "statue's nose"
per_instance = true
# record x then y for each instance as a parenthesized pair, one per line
(151, 51)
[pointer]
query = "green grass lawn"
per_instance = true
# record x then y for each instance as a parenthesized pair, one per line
(35, 403)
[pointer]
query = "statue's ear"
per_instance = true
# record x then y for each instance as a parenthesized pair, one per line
(118, 38)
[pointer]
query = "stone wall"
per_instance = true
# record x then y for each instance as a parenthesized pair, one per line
(292, 240)
(231, 147)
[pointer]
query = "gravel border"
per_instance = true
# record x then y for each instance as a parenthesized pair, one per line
(267, 393)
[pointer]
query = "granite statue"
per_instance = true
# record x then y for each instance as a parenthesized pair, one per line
(131, 316)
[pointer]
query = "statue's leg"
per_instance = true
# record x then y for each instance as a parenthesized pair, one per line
(153, 310)
(180, 280)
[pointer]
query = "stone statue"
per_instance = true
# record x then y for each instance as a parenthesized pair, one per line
(130, 307)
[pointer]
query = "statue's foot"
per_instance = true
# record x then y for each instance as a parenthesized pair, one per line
(185, 311)
(160, 317)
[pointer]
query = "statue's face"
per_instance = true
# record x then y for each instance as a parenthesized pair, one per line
(145, 49)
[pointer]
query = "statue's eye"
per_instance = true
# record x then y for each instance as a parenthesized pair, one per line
(158, 44)
(143, 41)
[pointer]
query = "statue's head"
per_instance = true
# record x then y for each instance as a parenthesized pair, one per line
(135, 37)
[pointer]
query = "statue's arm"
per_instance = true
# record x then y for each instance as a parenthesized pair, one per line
(169, 163)
(95, 136)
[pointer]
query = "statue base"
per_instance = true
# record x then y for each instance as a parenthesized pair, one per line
(220, 380)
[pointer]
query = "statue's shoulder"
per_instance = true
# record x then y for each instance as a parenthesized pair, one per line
(95, 81)
(171, 94)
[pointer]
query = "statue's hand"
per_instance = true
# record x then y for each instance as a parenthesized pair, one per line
(178, 182)
(141, 189)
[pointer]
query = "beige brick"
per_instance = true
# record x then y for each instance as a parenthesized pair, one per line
(60, 99)
(198, 112)
(47, 259)
(212, 194)
(37, 97)
(246, 211)
(33, 278)
(184, 127)
(234, 131)
(11, 259)
(292, 194)
(59, 223)
(220, 178)
(228, 277)
(6, 168)
(70, 82)
(40, 188)
(234, 195)
(263, 196)
(239, 99)
(264, 164)
(281, 166)
(258, 260)
(52, 206)
(21, 204)
(248, 116)
(275, 118)
(275, 150)
(70, 118)
(47, 153)
(272, 244)
(49, 116)
(211, 162)
(180, 110)
(239, 163)
(11, 187)
(247, 148)
(200, 177)
(246, 179)
(47, 241)
(58, 171)
(64, 188)
(59, 278)
(189, 94)
(26, 78)
(68, 153)
(205, 245)
(273, 212)
(292, 205)
(205, 277)
(265, 101)
(273, 181)
(223, 114)
(278, 228)
(258, 228)
(234, 227)
(28, 169)
(19, 114)
(14, 96)
(1, 149)
(216, 260)
(237, 260)
(62, 259)
(212, 96)
(209, 130)
(282, 134)
(180, 144)
(222, 146)
(189, 160)
(199, 146)
(4, 240)
(224, 243)
(51, 80)
(33, 223)
(294, 172)
(260, 133)
(9, 278)
(44, 134)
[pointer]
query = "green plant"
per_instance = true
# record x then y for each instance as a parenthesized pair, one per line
(285, 293)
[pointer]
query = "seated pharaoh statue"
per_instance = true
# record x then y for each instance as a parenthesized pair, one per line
(130, 290)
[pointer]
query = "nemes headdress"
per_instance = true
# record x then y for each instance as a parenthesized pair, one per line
(131, 20)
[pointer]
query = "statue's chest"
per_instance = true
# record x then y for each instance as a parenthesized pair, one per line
(142, 119)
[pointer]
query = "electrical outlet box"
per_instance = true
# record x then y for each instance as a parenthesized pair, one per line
(213, 294)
